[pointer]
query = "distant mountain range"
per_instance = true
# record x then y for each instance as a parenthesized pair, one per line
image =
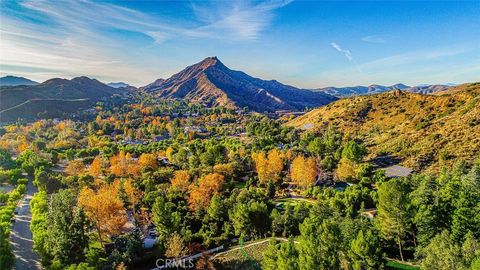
(120, 85)
(52, 97)
(342, 92)
(208, 82)
(211, 83)
(14, 81)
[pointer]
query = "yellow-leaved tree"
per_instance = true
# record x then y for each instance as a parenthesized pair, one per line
(148, 161)
(269, 166)
(304, 171)
(75, 167)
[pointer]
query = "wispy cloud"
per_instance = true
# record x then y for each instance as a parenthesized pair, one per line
(345, 52)
(414, 67)
(236, 20)
(418, 56)
(75, 37)
(378, 38)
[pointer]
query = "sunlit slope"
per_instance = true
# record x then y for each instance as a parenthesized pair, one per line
(424, 130)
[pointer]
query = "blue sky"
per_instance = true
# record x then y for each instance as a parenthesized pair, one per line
(304, 43)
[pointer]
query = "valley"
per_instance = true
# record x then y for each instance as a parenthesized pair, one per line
(168, 172)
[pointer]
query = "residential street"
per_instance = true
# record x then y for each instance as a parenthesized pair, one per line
(21, 236)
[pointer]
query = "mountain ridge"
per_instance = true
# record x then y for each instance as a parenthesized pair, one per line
(56, 89)
(212, 83)
(10, 80)
(350, 91)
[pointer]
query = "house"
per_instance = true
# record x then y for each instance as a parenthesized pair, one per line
(160, 138)
(369, 213)
(148, 243)
(163, 160)
(196, 129)
(396, 171)
(134, 142)
(390, 166)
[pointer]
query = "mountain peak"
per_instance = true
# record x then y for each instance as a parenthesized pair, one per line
(400, 86)
(209, 62)
(211, 83)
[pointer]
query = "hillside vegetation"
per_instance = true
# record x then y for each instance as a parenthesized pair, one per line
(424, 130)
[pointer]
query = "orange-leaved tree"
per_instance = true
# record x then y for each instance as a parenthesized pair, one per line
(95, 169)
(180, 180)
(201, 194)
(104, 209)
(119, 164)
(134, 194)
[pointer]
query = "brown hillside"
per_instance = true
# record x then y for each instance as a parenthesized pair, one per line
(423, 130)
(211, 83)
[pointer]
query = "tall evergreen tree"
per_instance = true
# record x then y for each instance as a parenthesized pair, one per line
(67, 240)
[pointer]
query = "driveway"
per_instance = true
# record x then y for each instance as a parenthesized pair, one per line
(21, 236)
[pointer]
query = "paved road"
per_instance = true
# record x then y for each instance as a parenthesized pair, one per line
(21, 236)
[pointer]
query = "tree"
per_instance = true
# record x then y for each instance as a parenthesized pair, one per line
(365, 251)
(134, 194)
(270, 256)
(287, 256)
(175, 247)
(319, 244)
(394, 216)
(95, 169)
(471, 251)
(354, 151)
(181, 180)
(6, 255)
(429, 216)
(304, 171)
(352, 155)
(441, 254)
(119, 164)
(201, 194)
(166, 220)
(227, 170)
(45, 181)
(75, 167)
(269, 166)
(345, 170)
(104, 209)
(250, 219)
(148, 161)
(67, 238)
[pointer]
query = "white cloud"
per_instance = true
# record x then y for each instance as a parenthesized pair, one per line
(239, 20)
(72, 38)
(378, 38)
(347, 53)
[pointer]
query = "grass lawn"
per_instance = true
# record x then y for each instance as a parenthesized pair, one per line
(237, 260)
(396, 265)
(283, 202)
